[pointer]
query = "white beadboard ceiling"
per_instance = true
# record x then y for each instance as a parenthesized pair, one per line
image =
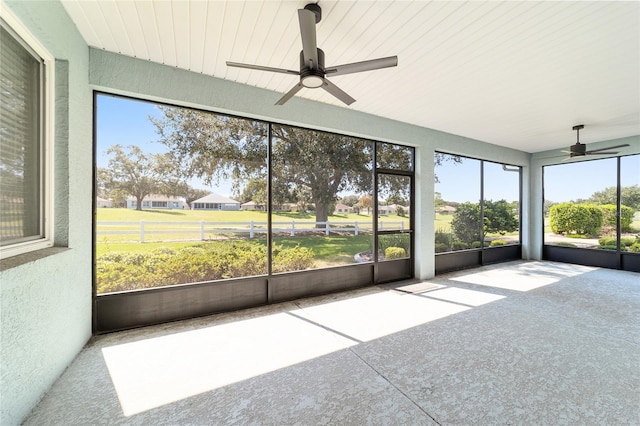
(516, 74)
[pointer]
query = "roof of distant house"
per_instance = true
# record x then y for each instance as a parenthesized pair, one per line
(216, 198)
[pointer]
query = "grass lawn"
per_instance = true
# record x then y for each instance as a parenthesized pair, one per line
(329, 250)
(443, 222)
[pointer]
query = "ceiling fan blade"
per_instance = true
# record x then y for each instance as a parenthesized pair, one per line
(600, 152)
(261, 68)
(337, 92)
(373, 64)
(308, 34)
(289, 94)
(609, 147)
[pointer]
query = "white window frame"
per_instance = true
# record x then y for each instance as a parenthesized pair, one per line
(46, 137)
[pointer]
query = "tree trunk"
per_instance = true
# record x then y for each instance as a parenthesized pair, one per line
(139, 203)
(322, 214)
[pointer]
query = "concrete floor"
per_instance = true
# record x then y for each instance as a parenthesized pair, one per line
(517, 343)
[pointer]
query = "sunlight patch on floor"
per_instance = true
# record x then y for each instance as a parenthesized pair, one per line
(157, 371)
(524, 277)
(463, 296)
(376, 315)
(153, 372)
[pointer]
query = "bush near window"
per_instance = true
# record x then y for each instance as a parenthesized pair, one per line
(394, 253)
(609, 216)
(498, 218)
(466, 222)
(587, 219)
(393, 240)
(570, 218)
(164, 267)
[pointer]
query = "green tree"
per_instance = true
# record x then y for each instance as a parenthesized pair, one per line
(211, 146)
(366, 202)
(350, 200)
(499, 217)
(255, 190)
(630, 196)
(466, 222)
(134, 172)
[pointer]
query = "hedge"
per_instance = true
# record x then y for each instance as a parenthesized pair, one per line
(203, 262)
(584, 219)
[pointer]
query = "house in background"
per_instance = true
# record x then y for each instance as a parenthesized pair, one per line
(215, 202)
(103, 203)
(343, 208)
(155, 201)
(252, 206)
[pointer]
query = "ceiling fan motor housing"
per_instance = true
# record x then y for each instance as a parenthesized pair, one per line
(312, 78)
(578, 150)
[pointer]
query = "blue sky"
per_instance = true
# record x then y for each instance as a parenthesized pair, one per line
(125, 122)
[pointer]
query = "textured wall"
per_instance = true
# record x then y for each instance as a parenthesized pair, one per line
(45, 299)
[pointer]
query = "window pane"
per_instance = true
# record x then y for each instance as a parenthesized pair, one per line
(577, 210)
(394, 194)
(185, 195)
(501, 204)
(315, 174)
(457, 203)
(630, 200)
(20, 151)
(395, 157)
(394, 246)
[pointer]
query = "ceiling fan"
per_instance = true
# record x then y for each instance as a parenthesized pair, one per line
(580, 150)
(313, 72)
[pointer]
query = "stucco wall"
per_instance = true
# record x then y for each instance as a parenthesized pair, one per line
(119, 74)
(45, 299)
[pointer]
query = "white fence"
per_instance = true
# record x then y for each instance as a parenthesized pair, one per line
(183, 231)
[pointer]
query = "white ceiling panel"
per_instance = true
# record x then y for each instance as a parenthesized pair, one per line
(517, 74)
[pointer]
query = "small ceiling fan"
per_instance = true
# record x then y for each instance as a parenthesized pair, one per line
(580, 150)
(312, 72)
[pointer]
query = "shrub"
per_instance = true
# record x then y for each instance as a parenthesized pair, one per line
(635, 248)
(459, 245)
(495, 243)
(466, 222)
(607, 241)
(611, 241)
(443, 237)
(609, 216)
(583, 219)
(395, 253)
(564, 244)
(292, 259)
(441, 248)
(204, 262)
(627, 241)
(393, 240)
(476, 244)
